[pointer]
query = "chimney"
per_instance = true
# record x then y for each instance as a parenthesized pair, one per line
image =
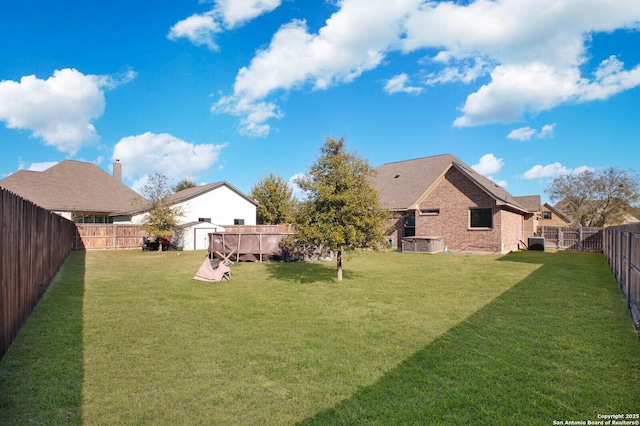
(117, 170)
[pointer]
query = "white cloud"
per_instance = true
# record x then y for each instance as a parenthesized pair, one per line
(531, 52)
(537, 60)
(237, 12)
(610, 79)
(198, 29)
(488, 165)
(151, 153)
(398, 84)
(298, 193)
(253, 114)
(547, 131)
(463, 71)
(551, 170)
(354, 40)
(526, 133)
(41, 167)
(518, 89)
(522, 134)
(61, 109)
(201, 29)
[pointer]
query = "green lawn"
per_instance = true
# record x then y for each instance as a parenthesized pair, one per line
(128, 338)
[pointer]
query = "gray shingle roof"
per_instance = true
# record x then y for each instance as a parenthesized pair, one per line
(401, 185)
(529, 202)
(73, 186)
(188, 193)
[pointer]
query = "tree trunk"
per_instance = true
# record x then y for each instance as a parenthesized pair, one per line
(339, 260)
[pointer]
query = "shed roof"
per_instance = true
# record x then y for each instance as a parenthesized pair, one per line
(189, 193)
(401, 185)
(530, 202)
(73, 186)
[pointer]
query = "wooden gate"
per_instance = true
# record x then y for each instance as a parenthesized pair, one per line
(568, 238)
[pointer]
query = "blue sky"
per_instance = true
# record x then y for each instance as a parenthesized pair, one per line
(521, 90)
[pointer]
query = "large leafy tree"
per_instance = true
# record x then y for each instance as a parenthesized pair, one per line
(275, 198)
(162, 217)
(340, 211)
(184, 184)
(596, 198)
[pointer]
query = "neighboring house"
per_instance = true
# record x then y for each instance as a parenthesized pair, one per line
(85, 193)
(440, 196)
(626, 217)
(218, 203)
(207, 208)
(550, 216)
(76, 190)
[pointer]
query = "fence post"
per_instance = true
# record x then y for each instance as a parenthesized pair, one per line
(560, 244)
(628, 274)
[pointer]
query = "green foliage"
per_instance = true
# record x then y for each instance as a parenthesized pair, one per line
(162, 217)
(596, 198)
(276, 200)
(340, 211)
(183, 184)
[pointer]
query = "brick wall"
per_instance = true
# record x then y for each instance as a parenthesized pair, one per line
(513, 229)
(454, 196)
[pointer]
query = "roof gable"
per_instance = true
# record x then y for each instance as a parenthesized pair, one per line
(73, 186)
(529, 202)
(189, 193)
(402, 185)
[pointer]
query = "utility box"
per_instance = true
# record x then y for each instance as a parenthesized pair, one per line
(422, 244)
(536, 243)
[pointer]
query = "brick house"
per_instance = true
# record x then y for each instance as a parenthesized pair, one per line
(550, 216)
(440, 196)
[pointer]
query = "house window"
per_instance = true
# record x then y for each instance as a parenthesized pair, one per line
(409, 224)
(481, 218)
(546, 215)
(429, 212)
(204, 219)
(238, 221)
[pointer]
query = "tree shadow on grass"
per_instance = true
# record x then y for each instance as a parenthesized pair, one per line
(307, 272)
(531, 356)
(41, 374)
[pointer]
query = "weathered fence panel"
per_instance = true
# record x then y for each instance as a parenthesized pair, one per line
(622, 250)
(33, 245)
(568, 238)
(249, 246)
(112, 236)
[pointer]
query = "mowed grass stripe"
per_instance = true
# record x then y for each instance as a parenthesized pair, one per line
(405, 338)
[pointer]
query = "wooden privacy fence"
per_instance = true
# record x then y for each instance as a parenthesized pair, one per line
(247, 245)
(622, 250)
(110, 236)
(33, 245)
(568, 238)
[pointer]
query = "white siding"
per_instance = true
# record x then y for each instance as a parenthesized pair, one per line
(222, 205)
(196, 237)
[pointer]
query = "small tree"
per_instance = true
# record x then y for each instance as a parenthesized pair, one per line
(162, 217)
(340, 212)
(275, 198)
(596, 198)
(183, 184)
